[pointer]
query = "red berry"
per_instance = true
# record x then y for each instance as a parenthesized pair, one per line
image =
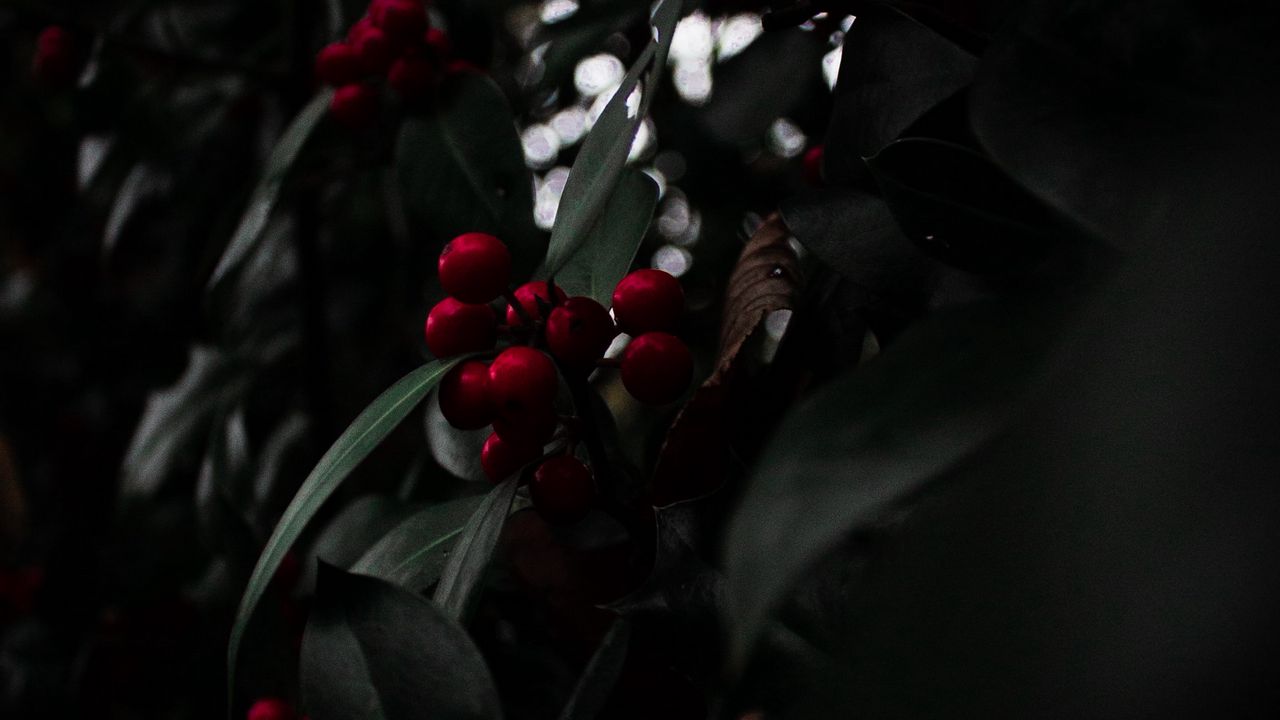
(373, 47)
(402, 20)
(648, 300)
(466, 398)
(534, 428)
(57, 59)
(461, 67)
(454, 327)
(271, 709)
(500, 459)
(528, 296)
(475, 267)
(562, 489)
(522, 382)
(657, 368)
(438, 44)
(579, 331)
(337, 64)
(813, 166)
(355, 106)
(411, 77)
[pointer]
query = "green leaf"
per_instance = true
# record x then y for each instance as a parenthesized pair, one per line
(373, 650)
(457, 451)
(874, 438)
(470, 558)
(356, 529)
(267, 192)
(356, 442)
(414, 552)
(461, 168)
(609, 249)
(601, 674)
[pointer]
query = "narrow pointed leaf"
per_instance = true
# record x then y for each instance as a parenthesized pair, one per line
(414, 552)
(600, 675)
(470, 557)
(609, 249)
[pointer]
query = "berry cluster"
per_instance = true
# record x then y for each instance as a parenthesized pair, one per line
(58, 58)
(395, 41)
(516, 391)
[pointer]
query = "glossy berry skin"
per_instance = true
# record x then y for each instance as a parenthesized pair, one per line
(401, 20)
(813, 166)
(355, 106)
(522, 382)
(528, 296)
(373, 48)
(475, 267)
(500, 459)
(534, 428)
(270, 709)
(657, 368)
(411, 77)
(454, 327)
(337, 65)
(466, 400)
(579, 331)
(57, 59)
(648, 300)
(562, 489)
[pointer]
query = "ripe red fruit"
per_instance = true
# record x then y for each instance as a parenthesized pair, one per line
(475, 267)
(813, 166)
(438, 44)
(656, 368)
(522, 382)
(454, 327)
(528, 296)
(57, 59)
(402, 20)
(534, 428)
(270, 709)
(466, 398)
(579, 331)
(355, 106)
(411, 77)
(562, 489)
(337, 64)
(500, 458)
(648, 300)
(373, 48)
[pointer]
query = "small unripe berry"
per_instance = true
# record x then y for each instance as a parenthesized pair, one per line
(454, 327)
(411, 77)
(271, 709)
(475, 267)
(533, 428)
(529, 295)
(648, 300)
(402, 20)
(656, 368)
(579, 331)
(355, 106)
(813, 165)
(522, 382)
(562, 489)
(337, 65)
(57, 59)
(466, 400)
(500, 458)
(373, 48)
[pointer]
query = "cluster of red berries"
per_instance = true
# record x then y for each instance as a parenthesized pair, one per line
(58, 58)
(516, 391)
(395, 41)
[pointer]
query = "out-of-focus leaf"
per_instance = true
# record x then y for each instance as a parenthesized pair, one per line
(271, 489)
(457, 451)
(141, 184)
(373, 650)
(876, 437)
(356, 442)
(766, 81)
(600, 675)
(466, 566)
(606, 255)
(892, 70)
(414, 552)
(174, 422)
(267, 192)
(694, 457)
(461, 167)
(956, 205)
(220, 490)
